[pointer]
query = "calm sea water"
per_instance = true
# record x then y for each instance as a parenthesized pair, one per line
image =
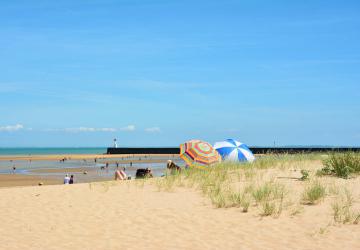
(49, 151)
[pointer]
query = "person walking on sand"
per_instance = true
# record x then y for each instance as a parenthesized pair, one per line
(67, 179)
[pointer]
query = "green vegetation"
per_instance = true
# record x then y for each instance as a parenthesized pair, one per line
(269, 196)
(342, 209)
(217, 183)
(313, 193)
(259, 187)
(305, 175)
(341, 165)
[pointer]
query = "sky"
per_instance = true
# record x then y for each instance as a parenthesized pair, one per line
(159, 72)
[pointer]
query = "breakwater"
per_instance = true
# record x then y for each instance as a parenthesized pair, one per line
(255, 150)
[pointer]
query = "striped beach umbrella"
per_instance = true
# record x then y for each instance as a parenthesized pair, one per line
(199, 154)
(231, 150)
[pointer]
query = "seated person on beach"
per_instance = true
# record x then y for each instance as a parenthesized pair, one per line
(120, 175)
(144, 173)
(172, 166)
(149, 173)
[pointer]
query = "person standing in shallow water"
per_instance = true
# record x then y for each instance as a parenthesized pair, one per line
(66, 179)
(71, 181)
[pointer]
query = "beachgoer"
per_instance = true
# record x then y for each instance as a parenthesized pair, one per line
(117, 165)
(120, 175)
(131, 164)
(71, 181)
(14, 169)
(66, 179)
(172, 167)
(149, 173)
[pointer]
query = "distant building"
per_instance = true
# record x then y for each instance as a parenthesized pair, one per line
(115, 143)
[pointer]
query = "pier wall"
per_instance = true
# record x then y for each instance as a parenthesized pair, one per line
(255, 150)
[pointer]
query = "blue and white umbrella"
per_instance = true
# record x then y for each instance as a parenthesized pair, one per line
(232, 150)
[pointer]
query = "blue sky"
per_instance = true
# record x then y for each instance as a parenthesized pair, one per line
(157, 73)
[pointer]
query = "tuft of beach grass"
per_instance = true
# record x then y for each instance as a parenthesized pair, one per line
(313, 193)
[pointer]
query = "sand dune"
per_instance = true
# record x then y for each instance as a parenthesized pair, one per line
(114, 215)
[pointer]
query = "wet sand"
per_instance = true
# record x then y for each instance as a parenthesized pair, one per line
(76, 157)
(13, 180)
(48, 169)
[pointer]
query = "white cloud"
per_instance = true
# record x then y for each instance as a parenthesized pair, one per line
(90, 129)
(153, 130)
(11, 128)
(128, 128)
(87, 129)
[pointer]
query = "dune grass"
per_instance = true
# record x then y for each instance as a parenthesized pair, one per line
(343, 209)
(217, 183)
(256, 188)
(269, 196)
(342, 165)
(314, 193)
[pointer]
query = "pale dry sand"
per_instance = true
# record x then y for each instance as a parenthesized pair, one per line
(129, 215)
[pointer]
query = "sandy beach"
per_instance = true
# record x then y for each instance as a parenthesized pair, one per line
(49, 169)
(142, 214)
(127, 216)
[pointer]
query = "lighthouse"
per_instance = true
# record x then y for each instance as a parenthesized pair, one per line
(115, 144)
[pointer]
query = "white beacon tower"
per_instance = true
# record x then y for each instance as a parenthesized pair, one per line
(115, 144)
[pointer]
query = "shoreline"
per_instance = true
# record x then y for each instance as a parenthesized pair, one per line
(75, 156)
(53, 172)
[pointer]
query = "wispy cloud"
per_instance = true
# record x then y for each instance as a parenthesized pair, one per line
(153, 130)
(128, 128)
(87, 129)
(11, 128)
